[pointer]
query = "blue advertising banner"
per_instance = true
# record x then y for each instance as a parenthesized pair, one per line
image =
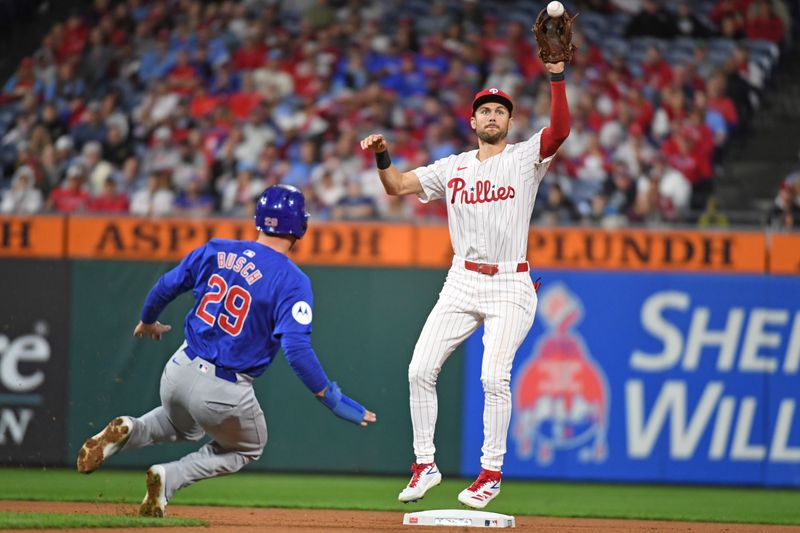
(652, 378)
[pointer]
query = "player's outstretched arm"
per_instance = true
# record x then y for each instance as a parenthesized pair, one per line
(558, 130)
(177, 281)
(395, 183)
(345, 407)
(304, 363)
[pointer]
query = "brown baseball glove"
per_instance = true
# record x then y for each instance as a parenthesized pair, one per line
(554, 37)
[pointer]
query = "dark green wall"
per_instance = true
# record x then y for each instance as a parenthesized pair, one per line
(366, 322)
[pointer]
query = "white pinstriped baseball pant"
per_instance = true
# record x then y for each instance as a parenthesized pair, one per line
(506, 304)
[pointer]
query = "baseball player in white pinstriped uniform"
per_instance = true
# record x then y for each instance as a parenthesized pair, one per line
(490, 193)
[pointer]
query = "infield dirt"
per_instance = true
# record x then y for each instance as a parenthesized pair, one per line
(248, 519)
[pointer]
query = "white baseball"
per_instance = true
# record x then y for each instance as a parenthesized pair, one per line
(555, 9)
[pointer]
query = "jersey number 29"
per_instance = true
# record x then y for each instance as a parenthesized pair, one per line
(237, 304)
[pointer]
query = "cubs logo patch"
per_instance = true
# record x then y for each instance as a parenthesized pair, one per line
(301, 312)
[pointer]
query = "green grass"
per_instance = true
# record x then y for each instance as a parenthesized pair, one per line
(706, 504)
(60, 520)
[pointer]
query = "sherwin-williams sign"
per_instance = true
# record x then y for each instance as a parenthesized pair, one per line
(656, 378)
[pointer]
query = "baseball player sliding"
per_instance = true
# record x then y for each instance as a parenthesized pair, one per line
(250, 299)
(490, 194)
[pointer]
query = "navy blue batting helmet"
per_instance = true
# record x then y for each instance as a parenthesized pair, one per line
(281, 210)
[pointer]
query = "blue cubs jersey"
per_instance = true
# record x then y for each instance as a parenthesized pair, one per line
(246, 296)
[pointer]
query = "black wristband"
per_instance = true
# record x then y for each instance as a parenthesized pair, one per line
(383, 160)
(557, 76)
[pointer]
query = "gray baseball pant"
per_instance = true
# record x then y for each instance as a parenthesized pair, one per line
(195, 402)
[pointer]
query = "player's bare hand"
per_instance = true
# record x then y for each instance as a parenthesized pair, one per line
(369, 418)
(151, 331)
(555, 68)
(374, 143)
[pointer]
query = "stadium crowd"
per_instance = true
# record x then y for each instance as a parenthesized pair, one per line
(189, 108)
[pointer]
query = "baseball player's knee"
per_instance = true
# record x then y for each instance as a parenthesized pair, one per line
(421, 375)
(496, 384)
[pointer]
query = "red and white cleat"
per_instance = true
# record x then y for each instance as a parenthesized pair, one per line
(424, 477)
(485, 489)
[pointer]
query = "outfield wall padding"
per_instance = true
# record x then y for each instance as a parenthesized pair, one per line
(625, 376)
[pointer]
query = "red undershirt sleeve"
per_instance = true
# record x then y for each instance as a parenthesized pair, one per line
(558, 130)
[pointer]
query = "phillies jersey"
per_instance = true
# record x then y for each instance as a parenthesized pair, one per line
(246, 296)
(490, 202)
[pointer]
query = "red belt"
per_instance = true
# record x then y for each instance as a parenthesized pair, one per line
(490, 269)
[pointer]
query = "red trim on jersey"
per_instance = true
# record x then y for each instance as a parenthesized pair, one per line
(558, 130)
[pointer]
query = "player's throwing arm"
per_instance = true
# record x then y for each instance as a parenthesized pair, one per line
(395, 183)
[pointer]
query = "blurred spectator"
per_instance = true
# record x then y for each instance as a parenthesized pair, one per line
(301, 167)
(52, 122)
(163, 155)
(652, 21)
(239, 194)
(559, 209)
(194, 202)
(635, 151)
(603, 215)
(110, 200)
(714, 121)
(65, 154)
(354, 205)
(96, 168)
(257, 132)
(591, 171)
(762, 23)
(656, 71)
(734, 10)
(23, 198)
(731, 27)
(155, 200)
(97, 60)
(720, 102)
(436, 21)
(250, 55)
(65, 87)
(620, 190)
(242, 102)
(128, 178)
(329, 189)
(785, 212)
(27, 159)
(116, 148)
(91, 126)
(157, 61)
(183, 76)
(503, 73)
(652, 207)
(70, 197)
(578, 141)
(20, 83)
(50, 170)
(671, 184)
(687, 24)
